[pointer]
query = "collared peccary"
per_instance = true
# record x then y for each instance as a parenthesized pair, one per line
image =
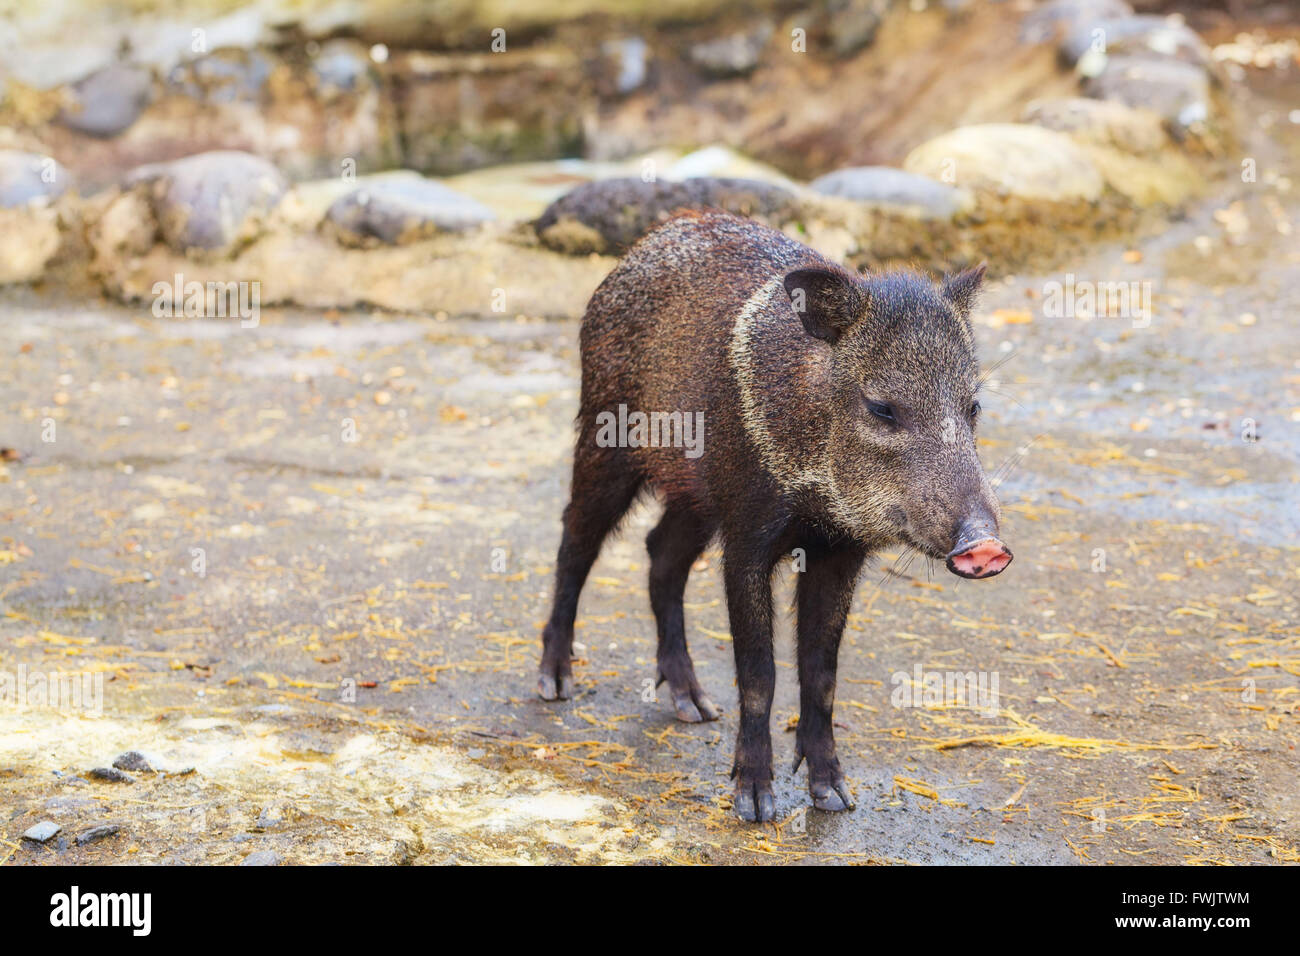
(839, 417)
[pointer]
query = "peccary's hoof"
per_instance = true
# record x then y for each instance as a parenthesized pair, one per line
(831, 796)
(695, 708)
(754, 799)
(555, 686)
(692, 704)
(825, 781)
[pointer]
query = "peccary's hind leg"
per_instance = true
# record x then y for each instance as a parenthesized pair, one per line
(604, 485)
(674, 545)
(824, 593)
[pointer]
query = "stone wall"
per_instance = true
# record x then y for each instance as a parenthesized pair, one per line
(939, 137)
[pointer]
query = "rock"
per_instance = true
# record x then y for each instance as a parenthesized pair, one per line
(463, 111)
(1061, 17)
(611, 214)
(889, 186)
(108, 101)
(225, 76)
(1010, 159)
(271, 817)
(42, 832)
(1088, 44)
(724, 162)
(30, 233)
(630, 57)
(397, 209)
(308, 745)
(273, 709)
(733, 55)
(1129, 147)
(1100, 122)
(99, 832)
(853, 24)
(27, 178)
(133, 760)
(262, 858)
(341, 66)
(211, 201)
(110, 775)
(1178, 91)
(70, 803)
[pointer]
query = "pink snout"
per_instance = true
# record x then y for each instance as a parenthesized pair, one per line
(983, 559)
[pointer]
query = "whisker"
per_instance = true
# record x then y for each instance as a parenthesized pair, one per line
(891, 570)
(1010, 398)
(986, 373)
(1012, 461)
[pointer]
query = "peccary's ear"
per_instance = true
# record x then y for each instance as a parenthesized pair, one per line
(827, 301)
(963, 289)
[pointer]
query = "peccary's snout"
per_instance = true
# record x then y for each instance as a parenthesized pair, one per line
(979, 553)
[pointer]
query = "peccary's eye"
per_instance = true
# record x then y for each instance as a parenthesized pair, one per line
(882, 410)
(975, 410)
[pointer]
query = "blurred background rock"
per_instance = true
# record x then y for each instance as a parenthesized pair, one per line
(878, 130)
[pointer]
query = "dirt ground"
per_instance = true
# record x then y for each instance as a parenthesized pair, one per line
(310, 561)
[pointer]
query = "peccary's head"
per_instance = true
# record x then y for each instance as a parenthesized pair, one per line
(901, 411)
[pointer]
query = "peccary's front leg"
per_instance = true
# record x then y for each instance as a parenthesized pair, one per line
(749, 605)
(824, 594)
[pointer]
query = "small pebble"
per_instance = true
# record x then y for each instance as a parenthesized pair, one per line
(97, 833)
(111, 775)
(262, 858)
(133, 760)
(42, 832)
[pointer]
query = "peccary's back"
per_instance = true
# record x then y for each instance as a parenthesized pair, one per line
(658, 337)
(656, 331)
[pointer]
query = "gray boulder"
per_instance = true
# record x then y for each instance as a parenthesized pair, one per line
(225, 76)
(631, 58)
(1028, 163)
(1060, 17)
(211, 201)
(27, 178)
(733, 55)
(1101, 122)
(341, 66)
(1178, 91)
(852, 24)
(1113, 36)
(611, 214)
(894, 187)
(394, 210)
(108, 101)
